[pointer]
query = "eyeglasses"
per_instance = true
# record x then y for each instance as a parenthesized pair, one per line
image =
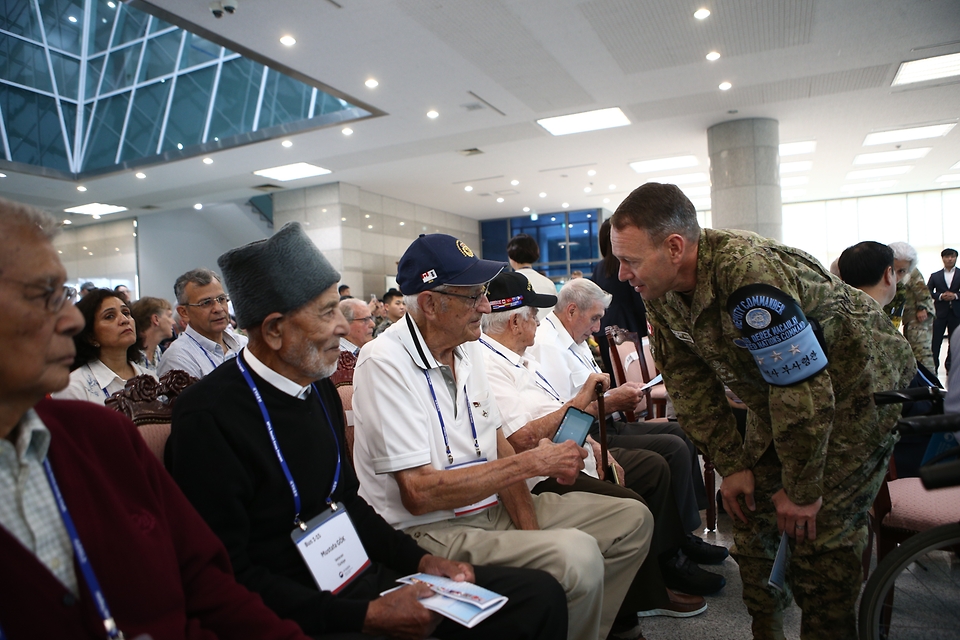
(474, 300)
(365, 319)
(53, 297)
(207, 303)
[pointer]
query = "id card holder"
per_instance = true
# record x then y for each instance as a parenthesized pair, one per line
(486, 503)
(332, 549)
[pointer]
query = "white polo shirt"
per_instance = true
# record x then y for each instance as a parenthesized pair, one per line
(397, 422)
(566, 364)
(197, 355)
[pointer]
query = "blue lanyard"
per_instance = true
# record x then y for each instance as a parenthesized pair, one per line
(197, 342)
(276, 447)
(550, 390)
(81, 555)
(443, 429)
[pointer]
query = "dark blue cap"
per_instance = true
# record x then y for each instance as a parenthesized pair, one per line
(436, 259)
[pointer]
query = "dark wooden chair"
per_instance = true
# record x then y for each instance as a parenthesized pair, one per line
(148, 402)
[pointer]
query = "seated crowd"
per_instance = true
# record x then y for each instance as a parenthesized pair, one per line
(332, 446)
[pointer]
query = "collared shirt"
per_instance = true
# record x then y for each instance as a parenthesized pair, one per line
(397, 425)
(146, 364)
(521, 394)
(28, 510)
(948, 277)
(566, 364)
(346, 345)
(282, 383)
(198, 356)
(95, 382)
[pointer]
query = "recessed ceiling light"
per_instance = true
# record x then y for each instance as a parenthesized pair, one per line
(927, 69)
(499, 199)
(611, 187)
(701, 14)
(883, 172)
(794, 167)
(96, 209)
(592, 172)
(587, 189)
(112, 4)
(468, 188)
(534, 216)
(347, 131)
(116, 248)
(664, 164)
(3, 175)
(724, 86)
(794, 181)
(140, 175)
(72, 19)
(585, 121)
(402, 223)
(288, 41)
(90, 253)
(565, 205)
(949, 177)
(553, 219)
(910, 133)
(684, 178)
(372, 83)
(606, 201)
(891, 156)
(526, 209)
(81, 188)
(367, 216)
(84, 248)
(286, 144)
(295, 171)
(798, 148)
(68, 222)
(867, 186)
(432, 114)
(543, 194)
(514, 182)
(696, 192)
(369, 226)
(198, 206)
(208, 161)
(713, 55)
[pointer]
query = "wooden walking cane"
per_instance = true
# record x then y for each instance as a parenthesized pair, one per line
(602, 417)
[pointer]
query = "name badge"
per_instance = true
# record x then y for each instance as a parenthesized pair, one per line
(476, 507)
(332, 550)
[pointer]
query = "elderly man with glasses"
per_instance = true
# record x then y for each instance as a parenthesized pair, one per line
(208, 340)
(432, 460)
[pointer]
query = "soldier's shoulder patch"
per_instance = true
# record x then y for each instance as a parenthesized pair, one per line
(774, 328)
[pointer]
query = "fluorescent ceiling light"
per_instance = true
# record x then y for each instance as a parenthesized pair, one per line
(294, 171)
(794, 167)
(586, 121)
(96, 209)
(866, 186)
(696, 192)
(794, 181)
(911, 133)
(928, 69)
(882, 172)
(797, 148)
(891, 156)
(685, 178)
(949, 177)
(664, 164)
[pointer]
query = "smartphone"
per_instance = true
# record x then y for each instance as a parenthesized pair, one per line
(574, 426)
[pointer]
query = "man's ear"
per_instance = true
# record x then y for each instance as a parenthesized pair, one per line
(429, 304)
(889, 276)
(675, 245)
(271, 330)
(184, 312)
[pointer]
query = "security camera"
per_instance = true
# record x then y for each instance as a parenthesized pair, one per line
(216, 8)
(230, 5)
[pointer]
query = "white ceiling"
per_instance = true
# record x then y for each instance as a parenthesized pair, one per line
(822, 68)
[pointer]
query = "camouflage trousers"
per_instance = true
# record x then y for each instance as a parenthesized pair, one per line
(920, 337)
(823, 575)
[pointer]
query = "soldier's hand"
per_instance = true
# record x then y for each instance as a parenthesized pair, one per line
(798, 520)
(922, 315)
(732, 487)
(561, 461)
(400, 615)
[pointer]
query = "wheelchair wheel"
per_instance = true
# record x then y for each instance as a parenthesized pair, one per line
(915, 591)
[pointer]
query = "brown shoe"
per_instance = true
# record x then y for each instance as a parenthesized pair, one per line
(681, 606)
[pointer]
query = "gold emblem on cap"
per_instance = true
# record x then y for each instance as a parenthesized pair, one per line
(529, 286)
(464, 249)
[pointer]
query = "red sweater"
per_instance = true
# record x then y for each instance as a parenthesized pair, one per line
(162, 571)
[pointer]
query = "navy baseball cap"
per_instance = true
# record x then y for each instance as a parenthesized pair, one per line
(510, 290)
(436, 259)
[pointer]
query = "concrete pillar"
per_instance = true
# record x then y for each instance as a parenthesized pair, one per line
(745, 174)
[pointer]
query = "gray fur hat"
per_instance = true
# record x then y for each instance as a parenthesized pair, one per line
(276, 275)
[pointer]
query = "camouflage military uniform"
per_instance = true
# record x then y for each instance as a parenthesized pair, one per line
(829, 439)
(919, 334)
